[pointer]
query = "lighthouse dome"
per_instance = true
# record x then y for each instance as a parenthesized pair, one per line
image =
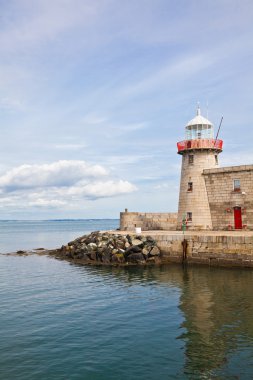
(199, 120)
(199, 128)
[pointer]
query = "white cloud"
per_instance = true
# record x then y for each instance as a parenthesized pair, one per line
(60, 173)
(102, 189)
(62, 184)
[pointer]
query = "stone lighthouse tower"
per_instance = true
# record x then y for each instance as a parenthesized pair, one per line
(199, 151)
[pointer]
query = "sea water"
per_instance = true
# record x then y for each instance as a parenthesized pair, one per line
(30, 234)
(63, 321)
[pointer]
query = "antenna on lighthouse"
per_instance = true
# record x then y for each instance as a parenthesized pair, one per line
(218, 130)
(198, 109)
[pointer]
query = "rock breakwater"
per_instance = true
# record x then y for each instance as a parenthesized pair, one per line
(108, 248)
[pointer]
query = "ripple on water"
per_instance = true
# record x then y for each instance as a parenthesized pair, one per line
(62, 321)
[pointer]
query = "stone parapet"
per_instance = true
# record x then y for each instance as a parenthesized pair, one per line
(147, 221)
(228, 169)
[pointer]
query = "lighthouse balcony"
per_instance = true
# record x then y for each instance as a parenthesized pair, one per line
(199, 144)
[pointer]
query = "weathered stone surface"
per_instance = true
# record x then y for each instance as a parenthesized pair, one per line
(155, 251)
(106, 257)
(133, 249)
(92, 256)
(120, 244)
(145, 251)
(150, 238)
(105, 248)
(85, 259)
(92, 246)
(115, 259)
(137, 242)
(147, 221)
(121, 257)
(152, 260)
(21, 252)
(136, 258)
(80, 255)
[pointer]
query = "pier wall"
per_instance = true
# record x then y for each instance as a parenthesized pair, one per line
(215, 250)
(148, 221)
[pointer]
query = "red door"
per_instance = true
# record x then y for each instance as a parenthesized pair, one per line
(238, 218)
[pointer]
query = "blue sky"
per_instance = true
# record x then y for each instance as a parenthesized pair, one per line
(95, 94)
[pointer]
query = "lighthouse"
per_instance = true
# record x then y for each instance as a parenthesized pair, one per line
(199, 151)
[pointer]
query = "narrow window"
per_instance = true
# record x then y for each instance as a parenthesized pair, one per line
(216, 159)
(190, 186)
(189, 216)
(237, 185)
(191, 159)
(199, 135)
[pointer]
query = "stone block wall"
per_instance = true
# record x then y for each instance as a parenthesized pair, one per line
(227, 248)
(211, 250)
(222, 197)
(147, 221)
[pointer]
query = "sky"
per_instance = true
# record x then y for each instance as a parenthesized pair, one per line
(95, 94)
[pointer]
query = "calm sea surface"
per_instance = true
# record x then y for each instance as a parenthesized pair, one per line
(63, 321)
(31, 234)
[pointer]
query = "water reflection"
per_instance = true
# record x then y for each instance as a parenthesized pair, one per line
(217, 305)
(218, 309)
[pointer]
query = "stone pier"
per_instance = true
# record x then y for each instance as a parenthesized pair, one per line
(215, 248)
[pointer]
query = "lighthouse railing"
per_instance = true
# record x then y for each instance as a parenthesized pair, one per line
(199, 144)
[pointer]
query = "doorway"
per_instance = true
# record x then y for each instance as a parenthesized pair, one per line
(238, 218)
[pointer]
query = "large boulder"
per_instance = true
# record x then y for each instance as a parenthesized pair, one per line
(92, 255)
(137, 242)
(155, 251)
(132, 249)
(106, 258)
(137, 258)
(92, 246)
(145, 251)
